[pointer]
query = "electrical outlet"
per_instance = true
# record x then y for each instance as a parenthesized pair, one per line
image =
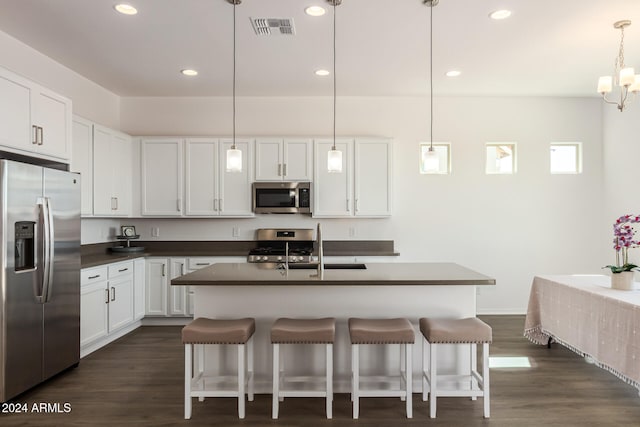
(352, 232)
(155, 232)
(235, 232)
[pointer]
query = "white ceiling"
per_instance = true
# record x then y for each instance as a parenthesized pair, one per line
(547, 47)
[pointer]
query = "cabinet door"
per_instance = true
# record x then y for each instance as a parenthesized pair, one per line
(103, 204)
(93, 312)
(121, 151)
(120, 302)
(52, 113)
(138, 288)
(298, 165)
(82, 161)
(156, 286)
(332, 194)
(372, 178)
(162, 177)
(269, 160)
(177, 294)
(15, 112)
(235, 187)
(201, 176)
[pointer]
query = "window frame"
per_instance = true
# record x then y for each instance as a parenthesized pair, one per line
(578, 158)
(514, 161)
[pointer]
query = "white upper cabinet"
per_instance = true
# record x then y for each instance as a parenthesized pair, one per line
(111, 172)
(332, 192)
(363, 188)
(201, 177)
(280, 159)
(82, 161)
(33, 119)
(373, 177)
(161, 177)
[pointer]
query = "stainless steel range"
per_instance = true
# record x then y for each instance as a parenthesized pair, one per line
(277, 245)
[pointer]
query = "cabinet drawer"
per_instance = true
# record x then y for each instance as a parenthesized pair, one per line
(201, 262)
(93, 275)
(120, 269)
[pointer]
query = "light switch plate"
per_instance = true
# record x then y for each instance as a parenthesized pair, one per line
(155, 232)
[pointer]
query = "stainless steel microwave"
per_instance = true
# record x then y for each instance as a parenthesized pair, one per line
(282, 197)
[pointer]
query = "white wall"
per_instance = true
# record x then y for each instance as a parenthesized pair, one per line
(621, 173)
(509, 227)
(89, 99)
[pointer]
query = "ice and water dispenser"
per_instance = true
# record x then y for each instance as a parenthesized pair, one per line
(25, 245)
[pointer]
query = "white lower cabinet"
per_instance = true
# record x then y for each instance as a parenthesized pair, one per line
(164, 300)
(107, 301)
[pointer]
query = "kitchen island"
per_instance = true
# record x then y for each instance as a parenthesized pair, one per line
(381, 290)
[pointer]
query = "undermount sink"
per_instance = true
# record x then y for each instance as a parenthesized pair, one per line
(328, 266)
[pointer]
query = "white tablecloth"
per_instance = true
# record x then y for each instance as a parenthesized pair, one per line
(584, 314)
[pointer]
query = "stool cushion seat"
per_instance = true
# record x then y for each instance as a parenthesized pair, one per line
(218, 331)
(304, 331)
(451, 331)
(381, 331)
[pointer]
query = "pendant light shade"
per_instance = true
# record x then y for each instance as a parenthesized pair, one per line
(334, 156)
(234, 160)
(334, 160)
(234, 156)
(431, 161)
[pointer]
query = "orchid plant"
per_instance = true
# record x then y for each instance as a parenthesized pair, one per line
(623, 234)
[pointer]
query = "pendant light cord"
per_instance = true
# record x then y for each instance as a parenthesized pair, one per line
(334, 75)
(431, 72)
(234, 76)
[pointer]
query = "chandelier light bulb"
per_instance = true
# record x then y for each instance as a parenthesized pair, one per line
(627, 76)
(605, 84)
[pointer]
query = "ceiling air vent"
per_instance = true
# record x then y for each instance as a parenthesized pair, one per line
(273, 26)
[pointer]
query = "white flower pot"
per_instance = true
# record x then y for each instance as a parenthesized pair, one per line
(622, 281)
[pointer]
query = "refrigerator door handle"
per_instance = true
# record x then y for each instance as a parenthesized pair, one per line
(48, 239)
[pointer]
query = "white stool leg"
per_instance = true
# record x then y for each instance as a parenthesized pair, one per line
(408, 375)
(241, 380)
(276, 380)
(355, 356)
(188, 351)
(433, 376)
(250, 368)
(403, 369)
(474, 367)
(425, 390)
(329, 380)
(200, 348)
(485, 379)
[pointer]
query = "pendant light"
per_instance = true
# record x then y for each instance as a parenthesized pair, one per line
(430, 159)
(334, 156)
(234, 156)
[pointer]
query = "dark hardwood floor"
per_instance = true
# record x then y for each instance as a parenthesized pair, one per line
(138, 380)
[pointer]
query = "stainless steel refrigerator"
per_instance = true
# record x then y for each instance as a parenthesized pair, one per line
(40, 275)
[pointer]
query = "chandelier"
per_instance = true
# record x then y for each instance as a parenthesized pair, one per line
(624, 77)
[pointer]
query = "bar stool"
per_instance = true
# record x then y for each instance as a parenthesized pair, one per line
(381, 331)
(471, 331)
(203, 331)
(302, 331)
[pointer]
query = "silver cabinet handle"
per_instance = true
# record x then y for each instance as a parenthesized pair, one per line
(357, 206)
(202, 263)
(113, 293)
(163, 270)
(220, 203)
(106, 301)
(93, 277)
(347, 204)
(41, 132)
(124, 269)
(279, 169)
(34, 141)
(182, 269)
(215, 205)
(113, 204)
(116, 202)
(179, 204)
(284, 170)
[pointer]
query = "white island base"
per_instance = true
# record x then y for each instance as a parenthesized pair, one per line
(266, 303)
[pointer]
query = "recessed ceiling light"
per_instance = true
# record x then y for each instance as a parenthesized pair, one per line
(500, 14)
(322, 73)
(125, 9)
(453, 73)
(315, 11)
(189, 72)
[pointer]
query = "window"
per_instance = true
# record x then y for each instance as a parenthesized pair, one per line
(443, 150)
(501, 158)
(565, 157)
